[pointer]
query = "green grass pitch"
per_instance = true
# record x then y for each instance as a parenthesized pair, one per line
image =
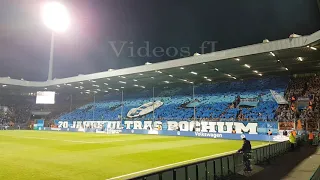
(45, 155)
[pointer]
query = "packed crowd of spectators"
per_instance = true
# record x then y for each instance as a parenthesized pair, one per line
(303, 95)
(14, 110)
(11, 115)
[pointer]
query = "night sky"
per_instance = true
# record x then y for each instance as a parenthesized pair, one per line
(101, 27)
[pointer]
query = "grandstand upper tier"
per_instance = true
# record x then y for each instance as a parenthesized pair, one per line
(281, 57)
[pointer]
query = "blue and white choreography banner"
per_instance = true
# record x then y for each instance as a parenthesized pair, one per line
(249, 102)
(261, 127)
(278, 97)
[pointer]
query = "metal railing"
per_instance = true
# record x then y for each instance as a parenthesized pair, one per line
(218, 167)
(316, 174)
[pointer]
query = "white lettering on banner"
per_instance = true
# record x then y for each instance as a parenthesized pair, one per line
(118, 124)
(157, 123)
(128, 124)
(225, 127)
(204, 126)
(63, 124)
(251, 127)
(79, 124)
(184, 126)
(147, 124)
(195, 125)
(203, 134)
(60, 124)
(73, 124)
(137, 125)
(112, 124)
(172, 125)
(207, 126)
(86, 124)
(109, 125)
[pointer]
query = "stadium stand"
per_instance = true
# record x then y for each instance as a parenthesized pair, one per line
(303, 97)
(219, 101)
(214, 102)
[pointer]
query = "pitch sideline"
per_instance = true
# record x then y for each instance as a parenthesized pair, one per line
(175, 164)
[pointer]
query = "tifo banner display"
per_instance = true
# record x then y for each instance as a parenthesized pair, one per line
(203, 126)
(144, 109)
(213, 135)
(278, 97)
(253, 102)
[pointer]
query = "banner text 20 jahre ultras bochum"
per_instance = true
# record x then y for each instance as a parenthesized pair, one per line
(261, 127)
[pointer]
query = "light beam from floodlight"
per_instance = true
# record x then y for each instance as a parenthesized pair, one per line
(56, 17)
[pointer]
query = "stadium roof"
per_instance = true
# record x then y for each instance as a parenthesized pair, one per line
(281, 57)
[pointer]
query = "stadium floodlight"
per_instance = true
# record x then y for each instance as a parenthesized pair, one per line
(56, 17)
(313, 48)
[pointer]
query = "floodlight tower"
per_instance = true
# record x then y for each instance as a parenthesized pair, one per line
(56, 17)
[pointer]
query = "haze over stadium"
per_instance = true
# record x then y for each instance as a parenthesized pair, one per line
(158, 90)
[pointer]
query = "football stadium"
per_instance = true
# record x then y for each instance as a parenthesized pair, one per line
(243, 113)
(137, 121)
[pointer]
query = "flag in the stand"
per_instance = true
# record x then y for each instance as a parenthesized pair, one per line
(278, 97)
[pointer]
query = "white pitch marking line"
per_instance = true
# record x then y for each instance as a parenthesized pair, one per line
(176, 164)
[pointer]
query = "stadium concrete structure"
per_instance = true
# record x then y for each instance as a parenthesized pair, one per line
(281, 57)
